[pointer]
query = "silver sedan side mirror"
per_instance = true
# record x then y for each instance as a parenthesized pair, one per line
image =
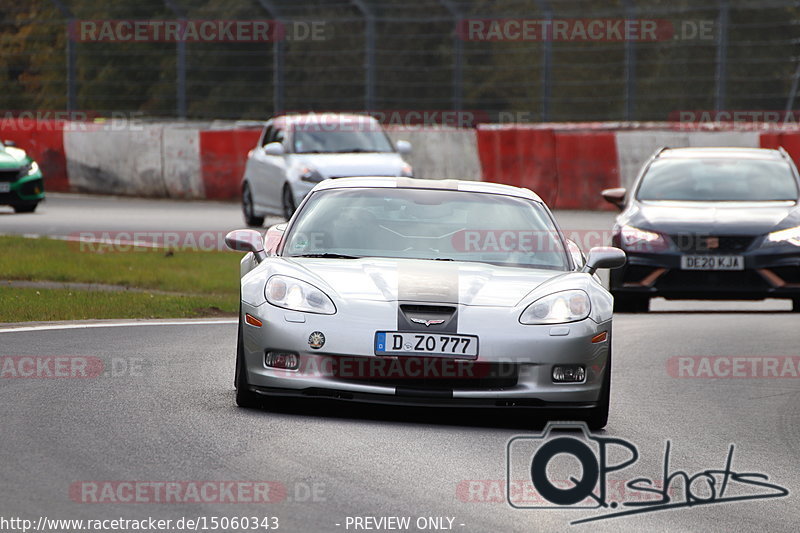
(274, 149)
(403, 147)
(604, 257)
(246, 240)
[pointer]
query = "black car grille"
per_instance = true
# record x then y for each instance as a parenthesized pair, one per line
(713, 281)
(712, 244)
(789, 274)
(9, 175)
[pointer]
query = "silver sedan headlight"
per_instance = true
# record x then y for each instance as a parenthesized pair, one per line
(784, 236)
(297, 295)
(557, 308)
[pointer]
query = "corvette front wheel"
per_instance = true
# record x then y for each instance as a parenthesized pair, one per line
(597, 418)
(244, 396)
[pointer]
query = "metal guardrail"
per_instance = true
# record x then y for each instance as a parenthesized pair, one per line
(382, 55)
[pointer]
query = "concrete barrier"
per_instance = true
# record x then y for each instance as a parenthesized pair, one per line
(523, 157)
(223, 154)
(566, 164)
(590, 157)
(110, 158)
(441, 153)
(586, 164)
(635, 147)
(181, 162)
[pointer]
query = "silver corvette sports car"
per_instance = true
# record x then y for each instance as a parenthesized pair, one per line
(447, 293)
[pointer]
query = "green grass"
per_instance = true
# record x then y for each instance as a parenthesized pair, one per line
(147, 268)
(205, 282)
(34, 305)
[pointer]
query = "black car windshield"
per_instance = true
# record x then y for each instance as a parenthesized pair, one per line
(312, 140)
(718, 180)
(432, 224)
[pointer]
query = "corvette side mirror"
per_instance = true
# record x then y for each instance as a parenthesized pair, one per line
(615, 196)
(604, 257)
(246, 240)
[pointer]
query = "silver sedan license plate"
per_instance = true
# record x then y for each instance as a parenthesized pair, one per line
(435, 344)
(712, 262)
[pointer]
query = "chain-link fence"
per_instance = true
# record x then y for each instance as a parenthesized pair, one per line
(520, 60)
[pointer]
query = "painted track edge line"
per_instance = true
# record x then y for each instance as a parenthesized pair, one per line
(51, 327)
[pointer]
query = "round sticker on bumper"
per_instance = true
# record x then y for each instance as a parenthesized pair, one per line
(316, 340)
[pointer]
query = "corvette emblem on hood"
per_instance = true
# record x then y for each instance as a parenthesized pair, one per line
(427, 323)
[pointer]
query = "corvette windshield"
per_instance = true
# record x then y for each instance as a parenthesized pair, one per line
(344, 140)
(432, 224)
(718, 180)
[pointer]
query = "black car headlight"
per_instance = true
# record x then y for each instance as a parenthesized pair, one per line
(640, 240)
(784, 236)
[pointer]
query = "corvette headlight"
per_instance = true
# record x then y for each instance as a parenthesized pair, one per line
(556, 308)
(291, 293)
(642, 240)
(784, 236)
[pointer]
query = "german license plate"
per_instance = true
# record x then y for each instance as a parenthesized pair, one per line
(712, 262)
(435, 344)
(5, 186)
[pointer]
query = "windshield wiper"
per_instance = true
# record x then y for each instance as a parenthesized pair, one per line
(354, 151)
(328, 255)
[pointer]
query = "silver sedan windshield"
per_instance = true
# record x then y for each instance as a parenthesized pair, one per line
(433, 224)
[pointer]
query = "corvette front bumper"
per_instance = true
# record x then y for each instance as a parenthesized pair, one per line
(514, 365)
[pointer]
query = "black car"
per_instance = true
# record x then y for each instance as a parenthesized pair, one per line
(709, 223)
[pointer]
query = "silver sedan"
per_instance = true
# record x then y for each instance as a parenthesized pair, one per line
(446, 293)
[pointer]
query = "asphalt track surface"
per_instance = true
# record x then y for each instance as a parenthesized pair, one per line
(159, 407)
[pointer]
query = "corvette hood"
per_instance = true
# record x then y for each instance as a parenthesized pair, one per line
(731, 218)
(364, 164)
(419, 280)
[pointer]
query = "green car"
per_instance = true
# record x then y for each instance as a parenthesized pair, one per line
(21, 180)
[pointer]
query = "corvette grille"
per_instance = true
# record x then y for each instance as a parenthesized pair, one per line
(430, 318)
